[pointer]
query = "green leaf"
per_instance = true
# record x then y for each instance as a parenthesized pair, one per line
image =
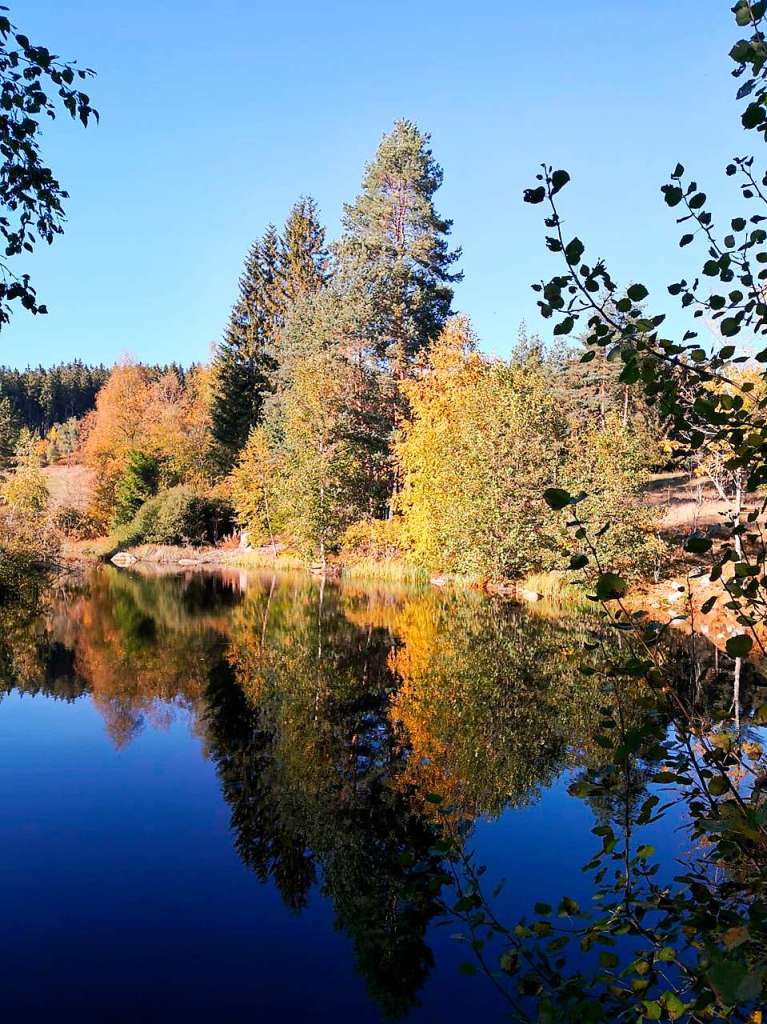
(637, 292)
(534, 195)
(608, 960)
(652, 1009)
(557, 498)
(697, 545)
(752, 115)
(574, 251)
(578, 561)
(673, 1005)
(565, 326)
(672, 194)
(739, 646)
(718, 786)
(558, 180)
(610, 586)
(729, 326)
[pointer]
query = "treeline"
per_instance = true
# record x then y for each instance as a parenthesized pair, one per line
(39, 397)
(349, 410)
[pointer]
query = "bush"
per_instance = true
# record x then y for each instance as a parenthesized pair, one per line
(177, 516)
(377, 540)
(75, 523)
(26, 491)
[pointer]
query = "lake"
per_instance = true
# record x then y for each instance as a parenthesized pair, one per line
(222, 794)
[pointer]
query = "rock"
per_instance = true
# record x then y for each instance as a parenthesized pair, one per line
(529, 595)
(123, 558)
(244, 540)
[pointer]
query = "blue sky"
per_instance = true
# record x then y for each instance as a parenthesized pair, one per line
(214, 118)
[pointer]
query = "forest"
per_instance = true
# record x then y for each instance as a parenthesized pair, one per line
(348, 414)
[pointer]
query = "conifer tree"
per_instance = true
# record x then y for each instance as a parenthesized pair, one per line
(245, 360)
(304, 258)
(394, 249)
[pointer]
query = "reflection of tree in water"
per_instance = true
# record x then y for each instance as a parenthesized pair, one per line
(331, 713)
(310, 761)
(144, 655)
(491, 700)
(32, 659)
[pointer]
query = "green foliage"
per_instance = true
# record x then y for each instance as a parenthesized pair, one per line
(280, 272)
(245, 360)
(320, 462)
(176, 516)
(35, 85)
(482, 443)
(137, 483)
(393, 254)
(9, 429)
(26, 492)
(611, 465)
(692, 948)
(43, 396)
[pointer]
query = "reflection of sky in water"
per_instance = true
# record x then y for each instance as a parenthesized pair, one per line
(123, 895)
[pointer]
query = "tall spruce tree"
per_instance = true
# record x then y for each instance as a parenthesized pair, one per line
(281, 271)
(304, 259)
(245, 360)
(394, 249)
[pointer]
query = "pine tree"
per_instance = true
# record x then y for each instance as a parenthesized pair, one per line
(137, 483)
(394, 249)
(9, 429)
(245, 361)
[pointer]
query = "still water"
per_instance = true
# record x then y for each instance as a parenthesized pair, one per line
(216, 794)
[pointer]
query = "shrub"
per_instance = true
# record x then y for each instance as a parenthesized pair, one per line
(376, 540)
(26, 492)
(177, 516)
(75, 523)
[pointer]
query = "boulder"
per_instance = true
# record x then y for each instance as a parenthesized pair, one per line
(123, 558)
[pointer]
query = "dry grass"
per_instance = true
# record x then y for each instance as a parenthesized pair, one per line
(69, 485)
(390, 569)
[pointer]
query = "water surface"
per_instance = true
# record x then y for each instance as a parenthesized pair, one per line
(217, 794)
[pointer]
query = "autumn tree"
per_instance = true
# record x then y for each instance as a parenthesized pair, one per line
(140, 415)
(611, 464)
(320, 462)
(482, 442)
